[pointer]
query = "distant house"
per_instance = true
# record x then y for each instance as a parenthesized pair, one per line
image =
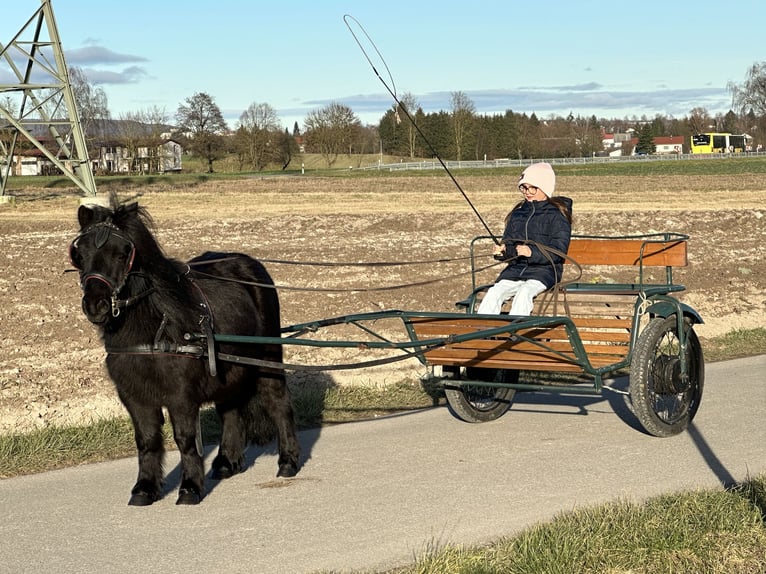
(664, 145)
(106, 158)
(171, 153)
(615, 143)
(116, 158)
(32, 162)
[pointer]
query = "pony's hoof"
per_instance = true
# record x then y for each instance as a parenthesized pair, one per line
(287, 470)
(188, 496)
(142, 499)
(223, 468)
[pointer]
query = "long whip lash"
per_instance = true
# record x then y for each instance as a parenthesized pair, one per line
(392, 90)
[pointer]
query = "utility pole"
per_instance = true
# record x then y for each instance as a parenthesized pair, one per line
(40, 105)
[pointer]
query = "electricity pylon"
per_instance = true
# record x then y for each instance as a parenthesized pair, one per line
(40, 105)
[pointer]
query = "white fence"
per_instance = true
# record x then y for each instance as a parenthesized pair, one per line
(493, 163)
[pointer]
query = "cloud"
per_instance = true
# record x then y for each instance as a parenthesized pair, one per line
(100, 65)
(589, 87)
(129, 75)
(590, 98)
(98, 55)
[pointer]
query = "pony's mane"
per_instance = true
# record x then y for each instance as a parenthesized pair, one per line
(134, 220)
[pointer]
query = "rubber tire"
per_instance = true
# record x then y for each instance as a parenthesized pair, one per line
(660, 410)
(474, 404)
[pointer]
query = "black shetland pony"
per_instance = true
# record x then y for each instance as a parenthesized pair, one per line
(157, 317)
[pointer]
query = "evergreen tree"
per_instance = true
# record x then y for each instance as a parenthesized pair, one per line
(645, 143)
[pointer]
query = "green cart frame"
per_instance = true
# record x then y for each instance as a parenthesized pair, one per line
(586, 328)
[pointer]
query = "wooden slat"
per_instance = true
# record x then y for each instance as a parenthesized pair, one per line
(628, 252)
(540, 361)
(482, 347)
(461, 327)
(604, 339)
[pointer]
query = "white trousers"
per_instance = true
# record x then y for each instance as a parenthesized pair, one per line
(523, 293)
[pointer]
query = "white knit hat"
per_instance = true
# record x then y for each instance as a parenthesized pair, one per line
(540, 175)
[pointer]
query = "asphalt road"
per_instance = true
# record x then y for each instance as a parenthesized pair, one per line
(373, 495)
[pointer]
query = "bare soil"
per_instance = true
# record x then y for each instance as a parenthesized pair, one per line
(51, 369)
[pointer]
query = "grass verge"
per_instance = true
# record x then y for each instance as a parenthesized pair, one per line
(711, 531)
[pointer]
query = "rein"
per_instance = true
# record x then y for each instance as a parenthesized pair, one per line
(347, 290)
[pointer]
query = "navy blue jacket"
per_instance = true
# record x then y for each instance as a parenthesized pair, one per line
(541, 222)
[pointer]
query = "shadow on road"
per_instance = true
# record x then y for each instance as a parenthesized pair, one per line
(619, 402)
(616, 399)
(715, 464)
(319, 384)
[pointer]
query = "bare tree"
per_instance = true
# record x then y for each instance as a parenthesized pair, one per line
(699, 120)
(7, 105)
(156, 121)
(141, 137)
(332, 130)
(410, 104)
(131, 133)
(201, 120)
(92, 105)
(751, 94)
(463, 116)
(259, 130)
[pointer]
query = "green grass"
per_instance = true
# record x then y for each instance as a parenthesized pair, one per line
(194, 172)
(713, 531)
(58, 447)
(735, 344)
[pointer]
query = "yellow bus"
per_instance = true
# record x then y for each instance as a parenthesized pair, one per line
(718, 143)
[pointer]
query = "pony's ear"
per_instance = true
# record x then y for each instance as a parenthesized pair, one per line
(131, 208)
(85, 216)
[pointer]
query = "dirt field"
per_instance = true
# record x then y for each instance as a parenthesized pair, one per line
(51, 362)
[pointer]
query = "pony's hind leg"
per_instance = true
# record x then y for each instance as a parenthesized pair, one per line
(147, 426)
(231, 455)
(273, 400)
(185, 427)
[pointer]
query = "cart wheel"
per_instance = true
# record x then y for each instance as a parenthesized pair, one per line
(478, 403)
(665, 403)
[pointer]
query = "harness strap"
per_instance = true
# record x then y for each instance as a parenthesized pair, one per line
(211, 354)
(118, 304)
(163, 348)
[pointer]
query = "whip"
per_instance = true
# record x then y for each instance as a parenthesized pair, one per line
(348, 19)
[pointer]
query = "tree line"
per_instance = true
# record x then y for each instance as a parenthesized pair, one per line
(258, 140)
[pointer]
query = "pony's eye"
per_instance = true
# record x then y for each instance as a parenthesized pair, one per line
(126, 251)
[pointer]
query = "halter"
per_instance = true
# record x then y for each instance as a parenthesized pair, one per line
(103, 232)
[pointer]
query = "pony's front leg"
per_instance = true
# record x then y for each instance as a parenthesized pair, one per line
(185, 429)
(147, 426)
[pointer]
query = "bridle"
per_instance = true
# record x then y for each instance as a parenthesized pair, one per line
(103, 232)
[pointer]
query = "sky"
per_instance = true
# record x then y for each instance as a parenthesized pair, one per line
(613, 59)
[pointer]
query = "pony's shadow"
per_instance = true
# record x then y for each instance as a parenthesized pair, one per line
(308, 392)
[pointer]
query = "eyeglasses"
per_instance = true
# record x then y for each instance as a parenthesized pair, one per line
(524, 188)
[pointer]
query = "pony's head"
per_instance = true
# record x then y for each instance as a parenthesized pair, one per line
(104, 252)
